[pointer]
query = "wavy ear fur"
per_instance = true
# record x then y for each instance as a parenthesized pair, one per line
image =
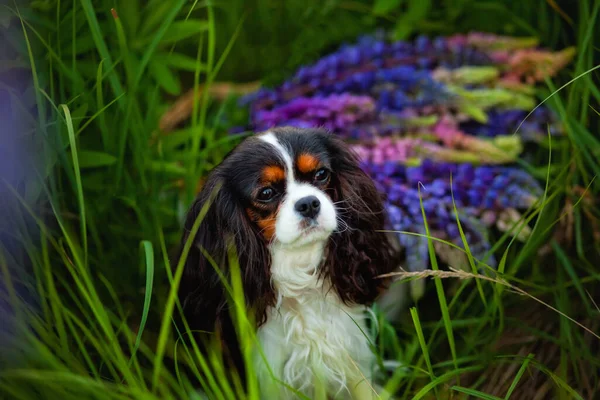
(358, 253)
(203, 296)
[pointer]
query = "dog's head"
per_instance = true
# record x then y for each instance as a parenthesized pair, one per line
(290, 188)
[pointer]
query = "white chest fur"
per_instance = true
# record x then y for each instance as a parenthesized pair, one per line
(310, 335)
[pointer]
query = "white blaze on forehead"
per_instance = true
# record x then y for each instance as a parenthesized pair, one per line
(288, 230)
(270, 138)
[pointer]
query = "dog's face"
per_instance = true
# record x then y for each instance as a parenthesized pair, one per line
(287, 187)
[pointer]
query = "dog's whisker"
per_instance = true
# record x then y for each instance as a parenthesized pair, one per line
(344, 226)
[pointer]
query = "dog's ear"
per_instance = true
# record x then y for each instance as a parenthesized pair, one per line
(360, 251)
(203, 293)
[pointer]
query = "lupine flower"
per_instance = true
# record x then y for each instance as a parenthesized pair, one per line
(425, 113)
(448, 131)
(475, 187)
(335, 112)
(467, 75)
(537, 65)
(409, 151)
(489, 42)
(403, 200)
(387, 150)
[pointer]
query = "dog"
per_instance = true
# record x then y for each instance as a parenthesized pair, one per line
(306, 226)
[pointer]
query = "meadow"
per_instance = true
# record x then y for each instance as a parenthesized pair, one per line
(103, 146)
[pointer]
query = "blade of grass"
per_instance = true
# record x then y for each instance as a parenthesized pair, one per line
(100, 105)
(568, 266)
(7, 285)
(195, 139)
(203, 384)
(520, 373)
(90, 15)
(444, 378)
(167, 21)
(205, 98)
(584, 45)
(168, 311)
(149, 257)
(415, 317)
(438, 284)
(125, 53)
(54, 299)
(466, 245)
(475, 393)
(241, 318)
(83, 350)
(79, 187)
(34, 74)
(113, 295)
(560, 382)
(97, 114)
(553, 93)
(521, 255)
(74, 37)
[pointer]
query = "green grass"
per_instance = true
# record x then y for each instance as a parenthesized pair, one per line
(88, 233)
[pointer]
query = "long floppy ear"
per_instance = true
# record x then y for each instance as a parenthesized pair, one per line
(203, 295)
(360, 251)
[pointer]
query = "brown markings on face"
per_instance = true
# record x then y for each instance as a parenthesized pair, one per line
(265, 215)
(272, 174)
(267, 226)
(307, 163)
(265, 223)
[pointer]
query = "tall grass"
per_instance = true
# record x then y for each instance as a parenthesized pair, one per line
(89, 231)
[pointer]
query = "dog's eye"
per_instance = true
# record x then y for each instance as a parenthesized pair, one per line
(266, 194)
(321, 175)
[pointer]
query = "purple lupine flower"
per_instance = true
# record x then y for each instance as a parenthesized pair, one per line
(478, 188)
(335, 112)
(352, 68)
(405, 216)
(387, 149)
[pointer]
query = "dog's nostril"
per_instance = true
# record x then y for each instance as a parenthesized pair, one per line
(308, 206)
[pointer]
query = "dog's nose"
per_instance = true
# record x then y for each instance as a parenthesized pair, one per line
(308, 206)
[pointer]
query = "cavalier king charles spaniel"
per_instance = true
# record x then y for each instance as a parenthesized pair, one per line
(307, 223)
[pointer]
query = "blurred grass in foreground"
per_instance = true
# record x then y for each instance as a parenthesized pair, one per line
(88, 231)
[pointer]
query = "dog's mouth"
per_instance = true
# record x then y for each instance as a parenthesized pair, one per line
(309, 232)
(309, 225)
(313, 231)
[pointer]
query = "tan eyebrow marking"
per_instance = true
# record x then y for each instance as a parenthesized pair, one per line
(307, 163)
(273, 173)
